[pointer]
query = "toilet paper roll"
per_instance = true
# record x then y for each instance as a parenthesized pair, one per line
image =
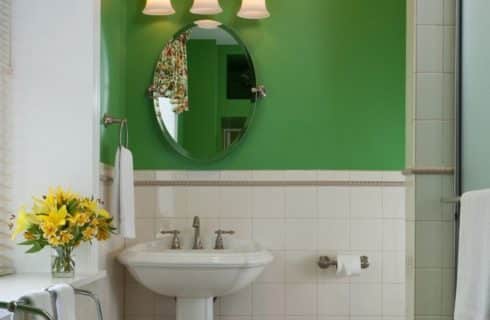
(348, 265)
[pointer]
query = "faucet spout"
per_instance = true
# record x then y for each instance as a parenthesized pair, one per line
(196, 224)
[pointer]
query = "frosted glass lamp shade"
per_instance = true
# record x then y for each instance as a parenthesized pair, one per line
(253, 9)
(206, 7)
(207, 24)
(158, 8)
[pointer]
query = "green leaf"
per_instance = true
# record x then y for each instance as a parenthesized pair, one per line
(27, 243)
(72, 205)
(35, 248)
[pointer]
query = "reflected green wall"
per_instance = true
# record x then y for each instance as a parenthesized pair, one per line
(334, 70)
(201, 125)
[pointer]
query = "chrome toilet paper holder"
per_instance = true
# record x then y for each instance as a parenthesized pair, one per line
(326, 262)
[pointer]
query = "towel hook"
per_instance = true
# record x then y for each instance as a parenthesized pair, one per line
(108, 120)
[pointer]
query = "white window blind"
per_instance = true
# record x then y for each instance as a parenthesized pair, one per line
(5, 73)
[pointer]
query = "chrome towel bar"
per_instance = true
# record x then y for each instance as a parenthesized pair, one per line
(15, 306)
(326, 262)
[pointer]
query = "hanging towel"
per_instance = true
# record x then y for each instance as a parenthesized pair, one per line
(39, 299)
(63, 296)
(123, 195)
(473, 284)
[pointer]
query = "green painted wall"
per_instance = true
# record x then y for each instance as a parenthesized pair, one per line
(113, 76)
(334, 70)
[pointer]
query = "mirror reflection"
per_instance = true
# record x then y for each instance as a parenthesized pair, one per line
(202, 91)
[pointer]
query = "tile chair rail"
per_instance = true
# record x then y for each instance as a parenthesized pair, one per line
(250, 183)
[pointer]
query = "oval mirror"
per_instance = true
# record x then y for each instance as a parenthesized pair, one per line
(204, 91)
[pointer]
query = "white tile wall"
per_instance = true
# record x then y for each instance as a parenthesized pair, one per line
(432, 125)
(297, 224)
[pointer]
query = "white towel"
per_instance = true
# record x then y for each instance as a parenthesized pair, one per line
(123, 195)
(39, 299)
(64, 297)
(348, 266)
(473, 284)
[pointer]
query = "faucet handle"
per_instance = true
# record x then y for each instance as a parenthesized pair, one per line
(220, 232)
(219, 238)
(175, 239)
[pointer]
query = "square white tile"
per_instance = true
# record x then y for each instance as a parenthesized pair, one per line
(268, 202)
(268, 299)
(428, 244)
(333, 299)
(301, 266)
(203, 201)
(334, 202)
(393, 202)
(430, 11)
(241, 227)
(394, 235)
(428, 149)
(269, 233)
(449, 49)
(236, 202)
(430, 95)
(429, 48)
(237, 304)
(394, 299)
(301, 202)
(333, 234)
(301, 234)
(145, 202)
(360, 305)
(366, 235)
(366, 202)
(393, 267)
(274, 271)
(301, 299)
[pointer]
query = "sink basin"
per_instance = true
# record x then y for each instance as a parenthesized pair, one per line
(195, 277)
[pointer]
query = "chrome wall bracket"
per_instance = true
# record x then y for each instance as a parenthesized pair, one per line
(260, 92)
(108, 120)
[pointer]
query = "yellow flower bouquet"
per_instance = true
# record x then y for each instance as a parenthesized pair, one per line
(62, 220)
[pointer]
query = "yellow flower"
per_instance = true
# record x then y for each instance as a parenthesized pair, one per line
(102, 234)
(54, 241)
(48, 228)
(62, 196)
(29, 236)
(103, 213)
(56, 217)
(24, 221)
(65, 237)
(89, 205)
(45, 205)
(89, 233)
(79, 219)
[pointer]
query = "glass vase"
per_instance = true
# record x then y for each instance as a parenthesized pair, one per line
(62, 263)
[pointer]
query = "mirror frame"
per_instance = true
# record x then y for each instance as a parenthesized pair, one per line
(224, 153)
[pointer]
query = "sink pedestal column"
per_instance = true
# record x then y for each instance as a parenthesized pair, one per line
(194, 308)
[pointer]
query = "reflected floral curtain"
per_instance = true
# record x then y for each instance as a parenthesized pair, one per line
(171, 76)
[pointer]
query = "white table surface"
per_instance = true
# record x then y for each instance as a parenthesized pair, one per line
(14, 286)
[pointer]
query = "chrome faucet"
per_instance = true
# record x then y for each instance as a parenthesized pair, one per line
(196, 224)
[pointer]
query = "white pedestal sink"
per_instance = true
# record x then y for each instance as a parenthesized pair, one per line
(195, 277)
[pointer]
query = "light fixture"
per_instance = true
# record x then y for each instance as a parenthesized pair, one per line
(158, 8)
(206, 7)
(207, 24)
(253, 9)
